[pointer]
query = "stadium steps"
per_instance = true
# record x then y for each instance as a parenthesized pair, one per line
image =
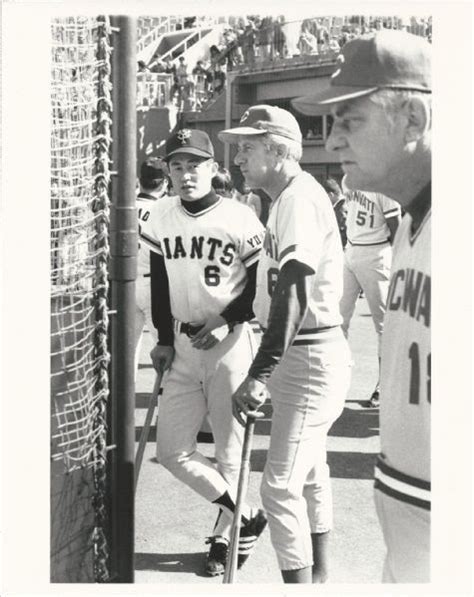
(151, 30)
(194, 44)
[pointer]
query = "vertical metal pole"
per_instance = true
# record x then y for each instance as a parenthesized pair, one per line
(228, 116)
(123, 273)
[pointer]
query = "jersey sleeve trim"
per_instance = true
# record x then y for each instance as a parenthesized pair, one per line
(251, 258)
(151, 243)
(286, 251)
(297, 254)
(402, 486)
(392, 212)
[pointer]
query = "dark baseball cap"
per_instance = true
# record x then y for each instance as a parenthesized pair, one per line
(263, 119)
(189, 141)
(151, 169)
(387, 59)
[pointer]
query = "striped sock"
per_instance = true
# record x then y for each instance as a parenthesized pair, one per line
(226, 503)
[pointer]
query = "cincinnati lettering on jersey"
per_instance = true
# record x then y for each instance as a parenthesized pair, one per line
(199, 247)
(360, 198)
(270, 245)
(410, 291)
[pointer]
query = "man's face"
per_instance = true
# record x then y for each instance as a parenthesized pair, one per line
(191, 175)
(255, 161)
(369, 144)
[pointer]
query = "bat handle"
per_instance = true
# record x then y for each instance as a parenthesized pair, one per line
(147, 425)
(231, 566)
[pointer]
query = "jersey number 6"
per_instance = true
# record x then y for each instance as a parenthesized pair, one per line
(212, 275)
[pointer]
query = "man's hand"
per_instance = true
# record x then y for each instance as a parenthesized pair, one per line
(162, 357)
(214, 330)
(249, 396)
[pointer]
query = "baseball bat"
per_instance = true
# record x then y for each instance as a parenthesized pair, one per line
(231, 565)
(147, 425)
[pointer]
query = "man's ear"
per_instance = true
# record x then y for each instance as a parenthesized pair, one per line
(281, 151)
(418, 114)
(214, 167)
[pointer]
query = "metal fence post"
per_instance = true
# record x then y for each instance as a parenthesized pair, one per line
(123, 272)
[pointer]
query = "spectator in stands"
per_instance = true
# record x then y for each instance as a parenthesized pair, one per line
(265, 36)
(200, 69)
(222, 183)
(247, 42)
(216, 57)
(280, 46)
(230, 49)
(170, 68)
(182, 71)
(237, 55)
(322, 35)
(291, 31)
(157, 66)
(201, 84)
(217, 78)
(183, 83)
(307, 43)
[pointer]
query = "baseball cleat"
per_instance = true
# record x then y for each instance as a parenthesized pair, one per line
(217, 556)
(374, 400)
(249, 533)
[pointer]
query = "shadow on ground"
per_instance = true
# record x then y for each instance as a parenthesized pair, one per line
(353, 423)
(352, 465)
(171, 562)
(358, 423)
(343, 465)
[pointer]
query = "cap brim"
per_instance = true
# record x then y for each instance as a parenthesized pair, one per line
(231, 135)
(190, 150)
(310, 105)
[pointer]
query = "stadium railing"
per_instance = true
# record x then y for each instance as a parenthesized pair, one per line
(154, 89)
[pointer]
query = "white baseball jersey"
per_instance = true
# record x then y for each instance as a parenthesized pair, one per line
(206, 254)
(405, 405)
(302, 226)
(366, 214)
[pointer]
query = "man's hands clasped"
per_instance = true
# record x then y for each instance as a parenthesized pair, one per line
(214, 330)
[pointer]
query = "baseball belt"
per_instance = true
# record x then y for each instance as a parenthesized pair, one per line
(186, 328)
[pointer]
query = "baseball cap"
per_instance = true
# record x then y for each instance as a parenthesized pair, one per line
(151, 169)
(189, 141)
(262, 119)
(386, 59)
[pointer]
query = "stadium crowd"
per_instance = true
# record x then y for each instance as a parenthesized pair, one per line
(252, 41)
